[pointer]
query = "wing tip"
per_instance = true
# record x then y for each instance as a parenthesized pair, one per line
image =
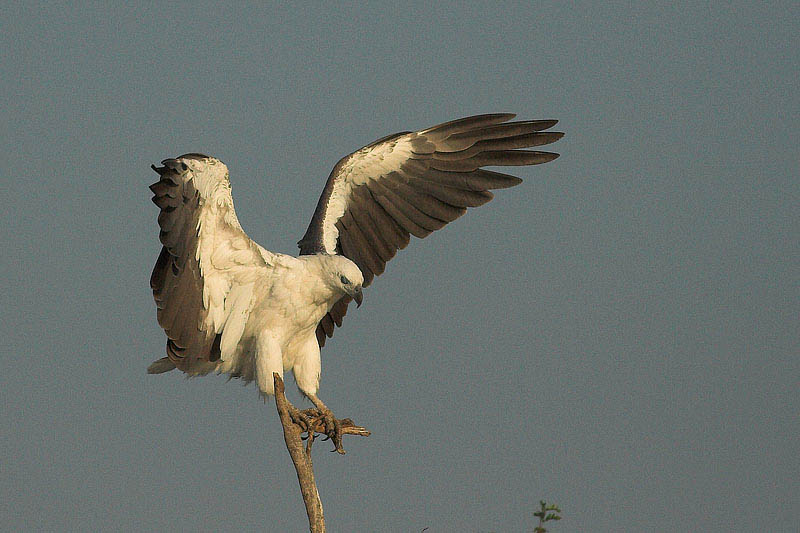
(160, 366)
(194, 155)
(466, 123)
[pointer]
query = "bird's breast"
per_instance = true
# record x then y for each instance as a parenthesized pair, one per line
(292, 305)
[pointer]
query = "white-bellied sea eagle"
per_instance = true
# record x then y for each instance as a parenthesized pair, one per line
(228, 305)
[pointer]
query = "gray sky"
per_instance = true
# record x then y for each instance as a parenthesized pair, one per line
(618, 334)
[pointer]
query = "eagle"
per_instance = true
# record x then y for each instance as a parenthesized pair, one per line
(230, 306)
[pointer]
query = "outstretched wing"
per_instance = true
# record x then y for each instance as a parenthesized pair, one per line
(203, 279)
(413, 183)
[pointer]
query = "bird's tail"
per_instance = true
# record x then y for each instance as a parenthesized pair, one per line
(161, 366)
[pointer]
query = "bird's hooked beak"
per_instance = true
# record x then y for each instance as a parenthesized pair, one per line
(357, 295)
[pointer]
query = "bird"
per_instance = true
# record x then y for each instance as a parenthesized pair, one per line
(227, 305)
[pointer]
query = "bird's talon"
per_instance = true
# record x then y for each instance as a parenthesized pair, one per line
(302, 421)
(332, 428)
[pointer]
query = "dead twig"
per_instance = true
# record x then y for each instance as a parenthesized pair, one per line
(301, 456)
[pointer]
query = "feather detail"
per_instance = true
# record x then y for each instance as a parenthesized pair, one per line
(413, 183)
(196, 280)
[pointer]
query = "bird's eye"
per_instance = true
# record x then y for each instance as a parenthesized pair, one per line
(344, 280)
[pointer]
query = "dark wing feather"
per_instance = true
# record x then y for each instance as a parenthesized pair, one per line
(413, 183)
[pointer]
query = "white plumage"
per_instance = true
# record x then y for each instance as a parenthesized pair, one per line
(227, 305)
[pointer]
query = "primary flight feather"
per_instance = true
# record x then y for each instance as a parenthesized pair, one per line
(230, 306)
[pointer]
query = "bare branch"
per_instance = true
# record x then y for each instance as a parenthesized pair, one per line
(309, 421)
(301, 459)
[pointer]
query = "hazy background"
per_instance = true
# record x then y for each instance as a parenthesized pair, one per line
(618, 335)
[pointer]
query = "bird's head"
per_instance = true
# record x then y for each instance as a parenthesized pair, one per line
(346, 277)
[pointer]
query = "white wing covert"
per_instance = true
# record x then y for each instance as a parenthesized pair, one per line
(204, 277)
(413, 183)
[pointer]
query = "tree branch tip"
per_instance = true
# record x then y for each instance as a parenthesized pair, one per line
(278, 383)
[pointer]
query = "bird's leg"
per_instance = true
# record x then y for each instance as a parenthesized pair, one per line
(333, 426)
